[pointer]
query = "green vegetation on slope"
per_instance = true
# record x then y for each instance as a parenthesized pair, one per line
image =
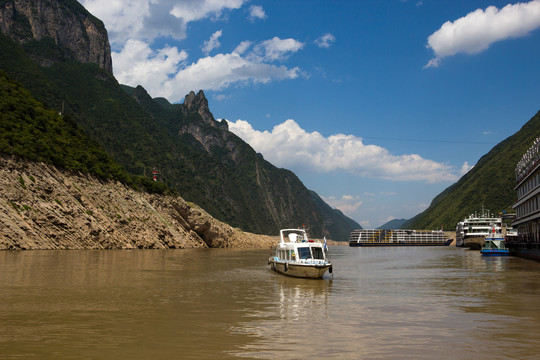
(490, 184)
(29, 130)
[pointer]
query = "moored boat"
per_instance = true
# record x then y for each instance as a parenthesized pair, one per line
(295, 255)
(494, 245)
(472, 231)
(379, 237)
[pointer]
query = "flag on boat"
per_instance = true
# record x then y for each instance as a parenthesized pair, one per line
(324, 246)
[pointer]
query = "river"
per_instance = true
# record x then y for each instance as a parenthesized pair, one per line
(380, 303)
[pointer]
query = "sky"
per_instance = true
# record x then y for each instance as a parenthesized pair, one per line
(376, 105)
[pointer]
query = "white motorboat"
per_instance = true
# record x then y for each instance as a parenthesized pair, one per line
(295, 255)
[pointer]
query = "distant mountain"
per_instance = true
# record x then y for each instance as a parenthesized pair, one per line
(60, 53)
(393, 224)
(490, 184)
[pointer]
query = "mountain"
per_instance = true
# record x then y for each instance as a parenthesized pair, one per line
(393, 224)
(60, 190)
(270, 196)
(490, 183)
(194, 154)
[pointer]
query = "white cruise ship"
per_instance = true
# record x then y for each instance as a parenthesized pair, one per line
(476, 227)
(378, 237)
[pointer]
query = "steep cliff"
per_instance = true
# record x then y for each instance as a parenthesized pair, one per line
(64, 22)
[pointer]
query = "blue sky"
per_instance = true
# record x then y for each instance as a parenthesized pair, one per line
(377, 105)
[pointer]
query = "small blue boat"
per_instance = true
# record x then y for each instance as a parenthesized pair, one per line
(494, 246)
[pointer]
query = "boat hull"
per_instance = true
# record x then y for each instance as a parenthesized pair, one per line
(495, 252)
(411, 243)
(308, 271)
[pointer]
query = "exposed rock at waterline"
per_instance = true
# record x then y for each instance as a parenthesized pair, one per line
(42, 207)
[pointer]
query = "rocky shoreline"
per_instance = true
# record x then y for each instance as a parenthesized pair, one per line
(43, 207)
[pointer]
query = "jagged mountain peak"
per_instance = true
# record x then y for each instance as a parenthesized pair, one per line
(199, 104)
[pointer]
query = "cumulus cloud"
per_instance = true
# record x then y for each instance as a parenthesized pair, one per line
(290, 146)
(138, 64)
(166, 72)
(212, 43)
(479, 29)
(134, 25)
(149, 19)
(256, 12)
(325, 41)
(276, 49)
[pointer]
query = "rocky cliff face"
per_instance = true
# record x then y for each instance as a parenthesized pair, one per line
(66, 22)
(212, 135)
(42, 207)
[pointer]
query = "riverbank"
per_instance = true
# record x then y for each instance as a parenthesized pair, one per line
(43, 207)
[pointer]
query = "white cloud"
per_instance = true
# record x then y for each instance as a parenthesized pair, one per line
(242, 48)
(149, 19)
(193, 10)
(133, 25)
(465, 168)
(137, 64)
(325, 41)
(212, 43)
(479, 29)
(290, 146)
(276, 49)
(256, 12)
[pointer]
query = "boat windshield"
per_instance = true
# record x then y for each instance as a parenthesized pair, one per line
(303, 253)
(317, 253)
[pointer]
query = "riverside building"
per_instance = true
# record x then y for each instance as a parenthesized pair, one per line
(527, 206)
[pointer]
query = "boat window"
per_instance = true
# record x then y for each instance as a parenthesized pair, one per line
(303, 253)
(317, 253)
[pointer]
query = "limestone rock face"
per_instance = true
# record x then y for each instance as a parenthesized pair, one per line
(42, 207)
(213, 135)
(66, 22)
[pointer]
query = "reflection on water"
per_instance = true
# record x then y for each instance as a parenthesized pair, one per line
(392, 303)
